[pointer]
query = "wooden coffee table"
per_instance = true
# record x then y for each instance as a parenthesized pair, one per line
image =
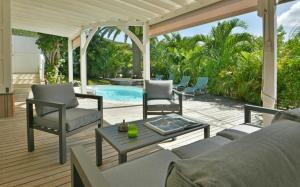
(146, 137)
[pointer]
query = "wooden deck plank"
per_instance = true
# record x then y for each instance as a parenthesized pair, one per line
(41, 167)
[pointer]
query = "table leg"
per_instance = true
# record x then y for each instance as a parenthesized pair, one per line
(122, 158)
(207, 132)
(98, 149)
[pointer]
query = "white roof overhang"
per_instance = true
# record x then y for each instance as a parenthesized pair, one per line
(69, 17)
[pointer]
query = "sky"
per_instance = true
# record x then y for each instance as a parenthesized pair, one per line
(288, 15)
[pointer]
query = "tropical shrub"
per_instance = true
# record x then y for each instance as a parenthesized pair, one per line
(106, 59)
(231, 60)
(289, 73)
(54, 49)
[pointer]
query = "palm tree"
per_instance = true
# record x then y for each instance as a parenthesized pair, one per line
(137, 54)
(223, 45)
(223, 50)
(171, 55)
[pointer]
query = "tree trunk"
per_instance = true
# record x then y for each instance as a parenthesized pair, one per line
(137, 59)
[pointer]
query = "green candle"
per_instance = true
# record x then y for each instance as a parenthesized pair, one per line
(132, 131)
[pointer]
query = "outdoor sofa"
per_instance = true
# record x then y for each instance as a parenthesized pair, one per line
(243, 156)
(57, 113)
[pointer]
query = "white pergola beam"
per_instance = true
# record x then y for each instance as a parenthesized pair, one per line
(120, 23)
(267, 10)
(133, 37)
(70, 60)
(89, 38)
(146, 53)
(83, 63)
(5, 47)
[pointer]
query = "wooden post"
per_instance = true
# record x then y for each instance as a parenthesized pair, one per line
(5, 47)
(146, 52)
(7, 98)
(83, 72)
(70, 59)
(7, 105)
(267, 10)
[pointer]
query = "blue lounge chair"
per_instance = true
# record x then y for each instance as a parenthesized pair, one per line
(198, 87)
(159, 77)
(171, 76)
(183, 83)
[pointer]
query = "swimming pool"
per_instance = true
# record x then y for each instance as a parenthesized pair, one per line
(117, 93)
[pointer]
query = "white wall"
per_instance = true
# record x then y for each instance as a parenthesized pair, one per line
(26, 56)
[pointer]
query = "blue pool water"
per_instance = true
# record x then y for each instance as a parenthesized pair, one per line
(119, 93)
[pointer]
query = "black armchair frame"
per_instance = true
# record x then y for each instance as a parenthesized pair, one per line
(145, 105)
(249, 108)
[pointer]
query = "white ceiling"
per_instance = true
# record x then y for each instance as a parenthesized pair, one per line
(69, 17)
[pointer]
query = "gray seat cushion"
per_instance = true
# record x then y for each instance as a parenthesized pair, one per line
(231, 134)
(201, 146)
(269, 157)
(162, 105)
(62, 93)
(238, 131)
(150, 171)
(75, 118)
(158, 89)
(246, 128)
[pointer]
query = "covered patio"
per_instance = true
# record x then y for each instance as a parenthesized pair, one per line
(40, 168)
(79, 20)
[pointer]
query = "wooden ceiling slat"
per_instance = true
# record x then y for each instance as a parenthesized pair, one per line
(69, 17)
(113, 9)
(146, 6)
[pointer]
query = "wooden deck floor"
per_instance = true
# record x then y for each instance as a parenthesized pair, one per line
(41, 167)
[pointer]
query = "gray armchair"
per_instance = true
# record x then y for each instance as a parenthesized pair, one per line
(57, 113)
(159, 98)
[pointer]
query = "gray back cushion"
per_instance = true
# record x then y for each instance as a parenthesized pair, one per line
(268, 157)
(62, 93)
(159, 89)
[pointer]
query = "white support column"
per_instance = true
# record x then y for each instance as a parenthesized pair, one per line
(5, 47)
(83, 64)
(146, 52)
(70, 60)
(267, 10)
